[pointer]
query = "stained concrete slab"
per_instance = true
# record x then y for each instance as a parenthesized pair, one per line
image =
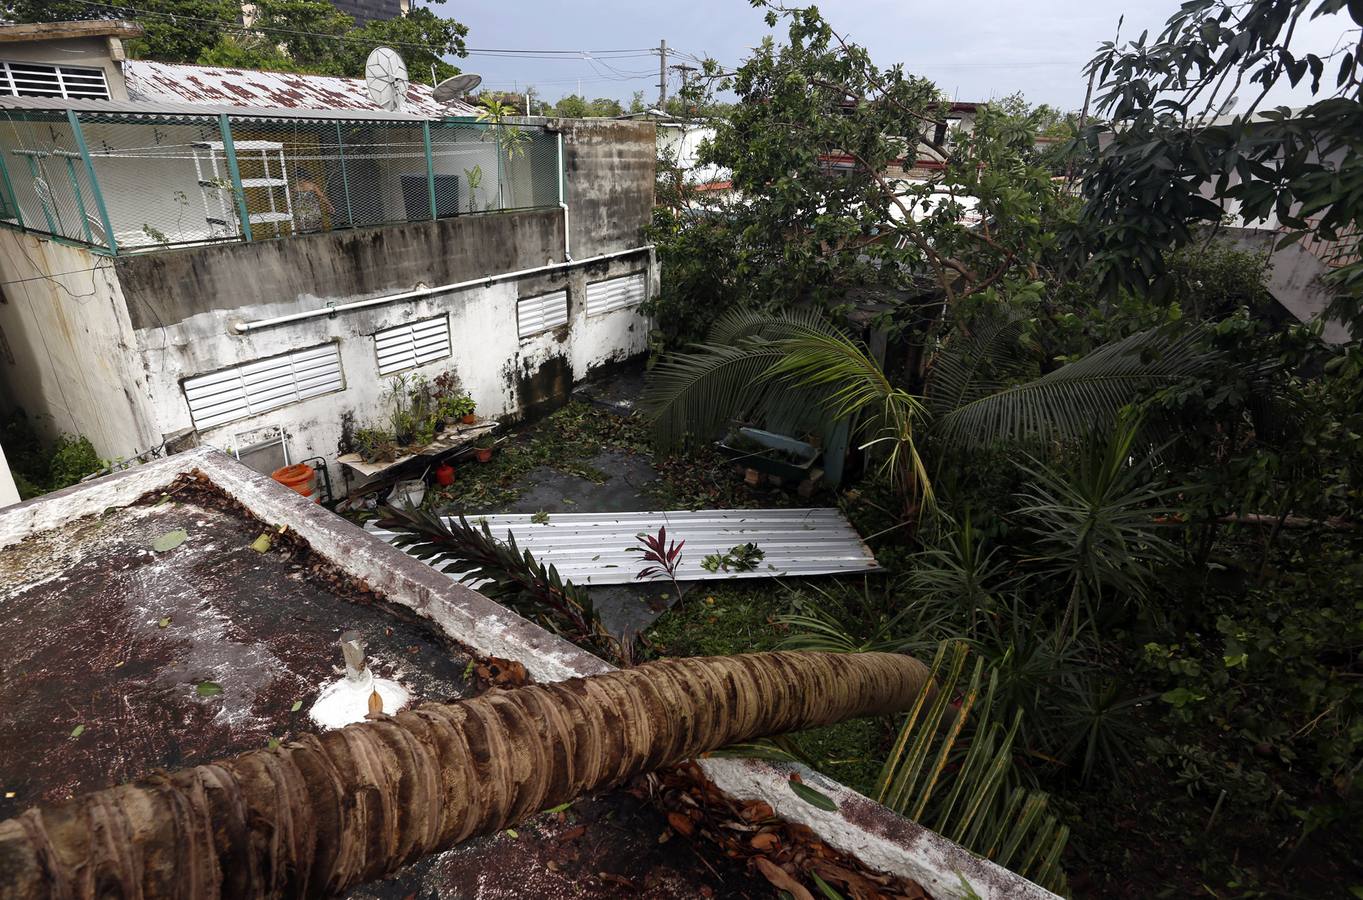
(628, 475)
(120, 658)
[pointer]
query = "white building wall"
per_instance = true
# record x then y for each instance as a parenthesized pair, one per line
(490, 360)
(9, 492)
(66, 346)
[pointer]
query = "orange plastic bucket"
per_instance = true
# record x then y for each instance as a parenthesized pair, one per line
(299, 477)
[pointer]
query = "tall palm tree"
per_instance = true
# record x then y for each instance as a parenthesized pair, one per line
(322, 814)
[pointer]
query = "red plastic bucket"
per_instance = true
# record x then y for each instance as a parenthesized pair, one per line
(299, 477)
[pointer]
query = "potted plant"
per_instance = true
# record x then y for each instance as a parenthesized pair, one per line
(461, 407)
(483, 448)
(374, 445)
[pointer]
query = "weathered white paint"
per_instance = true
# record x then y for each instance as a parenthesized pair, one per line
(487, 355)
(9, 492)
(76, 363)
(68, 356)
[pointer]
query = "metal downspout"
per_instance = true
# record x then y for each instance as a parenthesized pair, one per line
(563, 203)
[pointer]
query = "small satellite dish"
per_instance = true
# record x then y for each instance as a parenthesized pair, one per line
(385, 76)
(457, 86)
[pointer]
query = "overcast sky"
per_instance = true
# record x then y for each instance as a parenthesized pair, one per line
(973, 49)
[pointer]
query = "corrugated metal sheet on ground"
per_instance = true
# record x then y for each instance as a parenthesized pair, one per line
(616, 293)
(536, 314)
(256, 387)
(594, 548)
(413, 344)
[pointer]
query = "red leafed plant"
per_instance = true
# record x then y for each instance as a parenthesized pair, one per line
(665, 556)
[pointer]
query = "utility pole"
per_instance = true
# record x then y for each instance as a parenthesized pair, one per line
(685, 71)
(662, 75)
(529, 89)
(1083, 120)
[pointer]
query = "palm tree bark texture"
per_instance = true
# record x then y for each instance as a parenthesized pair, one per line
(325, 813)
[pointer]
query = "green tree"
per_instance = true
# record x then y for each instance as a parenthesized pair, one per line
(572, 107)
(816, 145)
(421, 37)
(175, 30)
(1185, 135)
(245, 51)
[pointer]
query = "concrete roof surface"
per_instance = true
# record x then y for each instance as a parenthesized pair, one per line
(58, 31)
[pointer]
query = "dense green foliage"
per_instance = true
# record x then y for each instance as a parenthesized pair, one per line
(38, 467)
(1187, 144)
(1147, 473)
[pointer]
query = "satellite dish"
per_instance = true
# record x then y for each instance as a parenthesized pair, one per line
(385, 76)
(457, 86)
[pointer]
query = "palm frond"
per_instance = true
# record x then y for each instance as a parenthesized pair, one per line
(972, 363)
(1075, 398)
(505, 573)
(856, 389)
(690, 397)
(973, 805)
(740, 324)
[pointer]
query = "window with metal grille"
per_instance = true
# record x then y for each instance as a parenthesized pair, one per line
(412, 345)
(38, 80)
(537, 314)
(257, 387)
(616, 293)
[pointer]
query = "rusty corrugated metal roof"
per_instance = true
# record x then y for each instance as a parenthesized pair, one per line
(155, 82)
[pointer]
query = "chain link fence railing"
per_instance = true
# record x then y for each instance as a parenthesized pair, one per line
(183, 180)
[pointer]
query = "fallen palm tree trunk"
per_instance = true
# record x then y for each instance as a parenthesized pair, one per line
(325, 813)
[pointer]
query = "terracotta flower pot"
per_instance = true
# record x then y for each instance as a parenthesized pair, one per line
(469, 419)
(483, 454)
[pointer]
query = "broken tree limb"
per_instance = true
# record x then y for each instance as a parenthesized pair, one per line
(320, 815)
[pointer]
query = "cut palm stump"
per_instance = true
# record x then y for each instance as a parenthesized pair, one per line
(320, 815)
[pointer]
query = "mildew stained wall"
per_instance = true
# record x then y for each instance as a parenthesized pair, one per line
(159, 318)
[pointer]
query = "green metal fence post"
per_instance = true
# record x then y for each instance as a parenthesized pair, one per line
(12, 197)
(345, 179)
(94, 183)
(229, 150)
(430, 166)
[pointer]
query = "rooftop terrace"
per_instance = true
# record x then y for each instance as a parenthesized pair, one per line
(144, 632)
(122, 177)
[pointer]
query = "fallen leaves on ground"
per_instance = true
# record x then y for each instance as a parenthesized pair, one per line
(506, 673)
(787, 854)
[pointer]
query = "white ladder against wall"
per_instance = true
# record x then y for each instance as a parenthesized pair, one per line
(216, 186)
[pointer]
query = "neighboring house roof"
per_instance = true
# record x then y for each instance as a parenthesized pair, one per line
(155, 82)
(166, 108)
(61, 31)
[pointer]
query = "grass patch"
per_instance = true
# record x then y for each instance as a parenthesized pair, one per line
(720, 620)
